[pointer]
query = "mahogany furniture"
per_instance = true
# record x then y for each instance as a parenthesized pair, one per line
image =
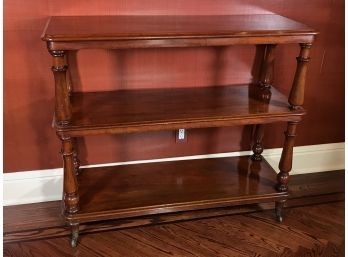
(104, 193)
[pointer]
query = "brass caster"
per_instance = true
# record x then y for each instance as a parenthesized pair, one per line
(74, 234)
(279, 210)
(74, 237)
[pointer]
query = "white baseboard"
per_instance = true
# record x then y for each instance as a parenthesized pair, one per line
(47, 185)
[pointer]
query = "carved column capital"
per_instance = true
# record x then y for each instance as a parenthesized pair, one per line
(63, 68)
(306, 45)
(302, 59)
(57, 53)
(62, 123)
(64, 138)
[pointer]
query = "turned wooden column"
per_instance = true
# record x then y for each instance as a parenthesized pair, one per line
(70, 195)
(264, 95)
(70, 189)
(285, 166)
(285, 163)
(63, 90)
(267, 68)
(68, 74)
(296, 97)
(63, 117)
(257, 146)
(62, 100)
(70, 91)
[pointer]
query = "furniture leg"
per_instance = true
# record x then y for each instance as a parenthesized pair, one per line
(74, 234)
(267, 68)
(69, 85)
(62, 100)
(257, 146)
(279, 206)
(285, 163)
(70, 196)
(296, 97)
(265, 82)
(285, 166)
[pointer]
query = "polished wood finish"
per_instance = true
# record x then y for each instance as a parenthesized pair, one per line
(70, 189)
(257, 146)
(40, 220)
(136, 190)
(267, 68)
(183, 42)
(316, 231)
(190, 185)
(109, 28)
(159, 109)
(113, 32)
(265, 83)
(63, 106)
(285, 164)
(296, 97)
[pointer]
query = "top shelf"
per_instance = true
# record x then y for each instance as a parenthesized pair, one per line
(82, 31)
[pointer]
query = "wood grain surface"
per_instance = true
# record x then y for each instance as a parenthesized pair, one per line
(112, 32)
(154, 188)
(158, 109)
(85, 28)
(42, 220)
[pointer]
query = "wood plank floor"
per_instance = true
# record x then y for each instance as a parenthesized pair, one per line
(316, 230)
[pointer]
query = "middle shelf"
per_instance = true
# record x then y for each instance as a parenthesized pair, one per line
(160, 109)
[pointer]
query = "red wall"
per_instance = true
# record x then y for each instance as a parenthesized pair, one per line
(30, 142)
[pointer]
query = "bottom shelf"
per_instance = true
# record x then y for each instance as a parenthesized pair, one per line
(155, 188)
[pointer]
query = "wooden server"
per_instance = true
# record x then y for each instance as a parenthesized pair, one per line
(96, 194)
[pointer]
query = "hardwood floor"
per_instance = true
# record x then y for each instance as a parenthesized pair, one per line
(316, 230)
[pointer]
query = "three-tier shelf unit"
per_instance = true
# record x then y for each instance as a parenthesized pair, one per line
(176, 187)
